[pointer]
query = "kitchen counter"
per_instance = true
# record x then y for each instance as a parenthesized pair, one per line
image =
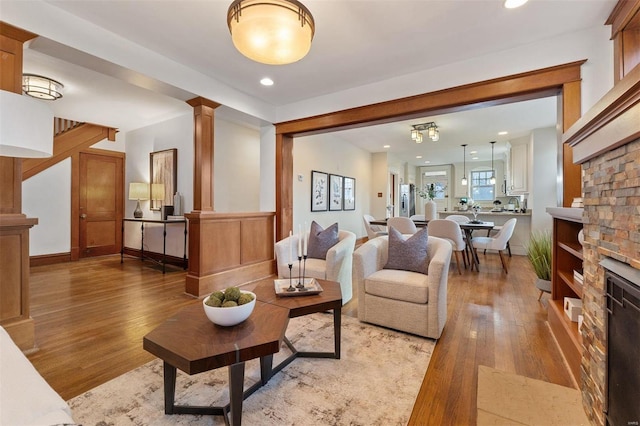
(443, 214)
(521, 234)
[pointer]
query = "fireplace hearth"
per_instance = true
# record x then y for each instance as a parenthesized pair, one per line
(622, 390)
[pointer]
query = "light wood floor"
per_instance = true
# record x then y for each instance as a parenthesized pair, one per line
(91, 317)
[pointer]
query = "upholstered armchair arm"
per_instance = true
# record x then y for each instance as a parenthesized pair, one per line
(282, 254)
(440, 254)
(367, 259)
(339, 258)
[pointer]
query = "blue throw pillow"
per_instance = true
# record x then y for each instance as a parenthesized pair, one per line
(410, 254)
(321, 240)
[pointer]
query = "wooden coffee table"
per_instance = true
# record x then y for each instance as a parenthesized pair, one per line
(190, 342)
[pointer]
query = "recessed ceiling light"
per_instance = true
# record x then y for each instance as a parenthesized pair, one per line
(473, 152)
(503, 133)
(512, 4)
(418, 156)
(266, 81)
(387, 146)
(474, 158)
(427, 162)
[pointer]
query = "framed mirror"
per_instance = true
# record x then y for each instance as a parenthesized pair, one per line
(164, 177)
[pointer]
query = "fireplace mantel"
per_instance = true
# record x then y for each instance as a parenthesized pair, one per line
(612, 122)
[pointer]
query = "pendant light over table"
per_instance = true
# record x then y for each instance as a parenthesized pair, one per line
(464, 164)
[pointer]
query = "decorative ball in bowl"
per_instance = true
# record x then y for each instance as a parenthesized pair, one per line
(229, 307)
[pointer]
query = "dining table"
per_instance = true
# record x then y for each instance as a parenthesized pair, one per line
(383, 222)
(468, 228)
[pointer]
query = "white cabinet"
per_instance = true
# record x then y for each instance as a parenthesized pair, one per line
(519, 169)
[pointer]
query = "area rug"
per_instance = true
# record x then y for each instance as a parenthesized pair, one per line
(375, 382)
(510, 399)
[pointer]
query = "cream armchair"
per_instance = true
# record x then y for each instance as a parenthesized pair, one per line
(336, 267)
(402, 300)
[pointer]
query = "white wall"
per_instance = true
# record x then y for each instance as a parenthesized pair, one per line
(329, 154)
(51, 204)
(592, 44)
(543, 177)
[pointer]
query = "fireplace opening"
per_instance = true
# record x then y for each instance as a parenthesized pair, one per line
(623, 347)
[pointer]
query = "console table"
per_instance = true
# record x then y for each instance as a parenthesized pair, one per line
(164, 237)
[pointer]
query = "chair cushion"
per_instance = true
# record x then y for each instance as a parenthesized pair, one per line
(398, 285)
(314, 268)
(410, 254)
(321, 240)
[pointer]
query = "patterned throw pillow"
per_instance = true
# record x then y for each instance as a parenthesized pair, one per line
(321, 240)
(410, 254)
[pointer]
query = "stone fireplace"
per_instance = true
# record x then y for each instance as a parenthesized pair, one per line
(606, 142)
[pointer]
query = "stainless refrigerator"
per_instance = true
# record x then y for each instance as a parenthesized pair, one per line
(407, 200)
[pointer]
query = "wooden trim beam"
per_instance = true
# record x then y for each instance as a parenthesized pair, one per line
(529, 85)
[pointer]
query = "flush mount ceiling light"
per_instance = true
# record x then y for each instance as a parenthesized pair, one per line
(512, 4)
(432, 132)
(273, 32)
(41, 87)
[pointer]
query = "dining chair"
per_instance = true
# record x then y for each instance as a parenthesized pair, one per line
(497, 228)
(497, 242)
(373, 231)
(458, 218)
(417, 217)
(450, 231)
(403, 224)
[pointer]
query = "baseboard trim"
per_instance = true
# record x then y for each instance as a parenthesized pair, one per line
(49, 259)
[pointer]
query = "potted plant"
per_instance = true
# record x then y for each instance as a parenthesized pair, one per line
(539, 254)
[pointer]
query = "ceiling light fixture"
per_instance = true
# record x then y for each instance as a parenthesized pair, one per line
(273, 32)
(266, 81)
(512, 4)
(464, 164)
(492, 181)
(432, 132)
(41, 87)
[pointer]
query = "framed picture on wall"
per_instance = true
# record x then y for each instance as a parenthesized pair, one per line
(319, 185)
(349, 194)
(164, 177)
(335, 192)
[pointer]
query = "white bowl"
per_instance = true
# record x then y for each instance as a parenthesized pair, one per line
(229, 316)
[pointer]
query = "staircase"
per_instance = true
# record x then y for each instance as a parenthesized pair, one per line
(69, 138)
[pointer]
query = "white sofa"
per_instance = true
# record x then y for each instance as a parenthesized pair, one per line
(337, 266)
(26, 399)
(402, 300)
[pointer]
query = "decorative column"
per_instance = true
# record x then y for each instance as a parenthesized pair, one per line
(14, 225)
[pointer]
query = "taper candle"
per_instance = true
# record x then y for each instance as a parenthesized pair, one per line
(290, 247)
(306, 240)
(299, 240)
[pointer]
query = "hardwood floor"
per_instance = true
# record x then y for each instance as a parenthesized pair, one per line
(91, 317)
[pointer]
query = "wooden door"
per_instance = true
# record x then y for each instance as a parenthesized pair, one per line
(101, 204)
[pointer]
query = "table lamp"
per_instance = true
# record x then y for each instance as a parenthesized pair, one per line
(138, 191)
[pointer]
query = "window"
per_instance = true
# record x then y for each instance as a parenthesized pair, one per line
(439, 180)
(481, 187)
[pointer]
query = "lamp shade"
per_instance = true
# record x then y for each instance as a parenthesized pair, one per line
(26, 127)
(274, 32)
(138, 191)
(157, 191)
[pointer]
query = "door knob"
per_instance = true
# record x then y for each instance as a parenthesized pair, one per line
(83, 216)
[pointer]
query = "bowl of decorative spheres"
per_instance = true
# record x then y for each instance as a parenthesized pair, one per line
(229, 315)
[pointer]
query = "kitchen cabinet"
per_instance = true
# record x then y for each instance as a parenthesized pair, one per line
(517, 169)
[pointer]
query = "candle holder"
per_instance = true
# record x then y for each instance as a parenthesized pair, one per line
(300, 284)
(291, 287)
